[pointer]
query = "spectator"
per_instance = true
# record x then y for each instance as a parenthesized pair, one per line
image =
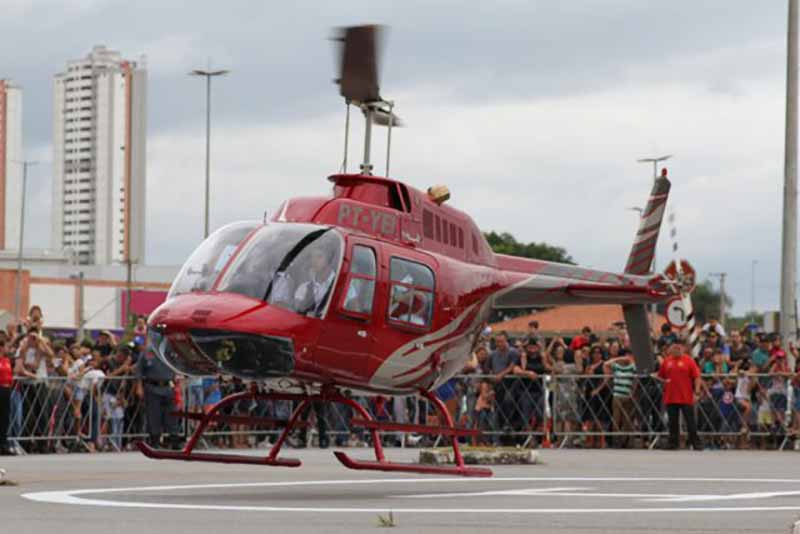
(89, 395)
(667, 337)
(745, 385)
(155, 388)
(796, 407)
(564, 389)
(762, 355)
(533, 333)
(140, 330)
(581, 340)
(530, 389)
(713, 326)
(777, 391)
(682, 386)
(706, 362)
(714, 341)
(105, 343)
(716, 365)
(114, 396)
(739, 351)
(501, 362)
(6, 385)
(35, 319)
(35, 351)
(485, 411)
(623, 370)
(597, 414)
(479, 363)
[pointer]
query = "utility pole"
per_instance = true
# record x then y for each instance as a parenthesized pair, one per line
(81, 322)
(789, 235)
(721, 277)
(208, 75)
(128, 282)
(18, 288)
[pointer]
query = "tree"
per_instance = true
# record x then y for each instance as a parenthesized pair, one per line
(505, 243)
(705, 301)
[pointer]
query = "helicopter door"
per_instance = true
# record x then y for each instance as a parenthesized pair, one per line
(347, 339)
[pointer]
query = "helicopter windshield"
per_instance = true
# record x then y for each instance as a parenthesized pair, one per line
(204, 265)
(289, 265)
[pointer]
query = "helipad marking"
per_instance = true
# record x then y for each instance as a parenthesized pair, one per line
(74, 497)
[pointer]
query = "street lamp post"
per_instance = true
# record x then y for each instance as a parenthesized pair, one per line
(753, 287)
(208, 75)
(18, 288)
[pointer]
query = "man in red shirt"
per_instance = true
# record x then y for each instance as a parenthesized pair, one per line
(682, 385)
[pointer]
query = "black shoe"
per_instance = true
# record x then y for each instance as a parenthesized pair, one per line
(671, 447)
(697, 446)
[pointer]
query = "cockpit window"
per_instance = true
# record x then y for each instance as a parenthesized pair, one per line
(289, 265)
(204, 265)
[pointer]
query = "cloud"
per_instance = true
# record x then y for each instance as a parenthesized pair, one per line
(533, 112)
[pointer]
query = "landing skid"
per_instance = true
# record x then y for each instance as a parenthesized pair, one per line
(366, 421)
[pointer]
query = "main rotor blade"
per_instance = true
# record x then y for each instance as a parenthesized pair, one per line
(358, 67)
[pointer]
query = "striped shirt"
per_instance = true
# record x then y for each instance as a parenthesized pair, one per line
(623, 379)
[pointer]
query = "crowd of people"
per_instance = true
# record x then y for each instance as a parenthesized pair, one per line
(102, 393)
(591, 387)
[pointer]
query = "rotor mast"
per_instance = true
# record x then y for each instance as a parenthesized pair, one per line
(358, 84)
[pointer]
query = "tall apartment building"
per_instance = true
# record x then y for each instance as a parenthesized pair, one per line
(99, 136)
(10, 168)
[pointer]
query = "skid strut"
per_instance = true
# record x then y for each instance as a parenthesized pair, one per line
(366, 421)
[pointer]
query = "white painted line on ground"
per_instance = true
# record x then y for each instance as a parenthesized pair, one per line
(76, 497)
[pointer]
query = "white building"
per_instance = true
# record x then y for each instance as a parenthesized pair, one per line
(99, 136)
(10, 168)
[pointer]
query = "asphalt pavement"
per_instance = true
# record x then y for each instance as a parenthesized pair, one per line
(585, 491)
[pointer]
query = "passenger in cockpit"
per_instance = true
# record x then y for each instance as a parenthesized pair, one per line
(311, 296)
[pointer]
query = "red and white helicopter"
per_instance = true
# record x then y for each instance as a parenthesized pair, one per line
(379, 287)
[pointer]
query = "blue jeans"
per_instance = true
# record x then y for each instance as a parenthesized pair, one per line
(195, 401)
(15, 419)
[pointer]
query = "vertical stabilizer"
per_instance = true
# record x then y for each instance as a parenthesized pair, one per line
(644, 246)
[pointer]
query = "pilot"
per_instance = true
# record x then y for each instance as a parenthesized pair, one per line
(156, 386)
(311, 296)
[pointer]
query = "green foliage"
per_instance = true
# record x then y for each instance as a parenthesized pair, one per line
(505, 243)
(705, 300)
(738, 323)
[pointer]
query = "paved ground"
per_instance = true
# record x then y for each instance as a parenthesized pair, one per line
(573, 491)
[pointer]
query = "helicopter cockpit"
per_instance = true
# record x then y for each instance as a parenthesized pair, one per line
(290, 265)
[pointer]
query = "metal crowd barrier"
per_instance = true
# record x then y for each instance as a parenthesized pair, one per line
(58, 414)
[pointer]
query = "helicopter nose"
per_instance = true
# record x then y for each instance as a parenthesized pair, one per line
(196, 344)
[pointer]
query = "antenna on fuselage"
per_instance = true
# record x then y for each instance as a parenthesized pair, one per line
(358, 84)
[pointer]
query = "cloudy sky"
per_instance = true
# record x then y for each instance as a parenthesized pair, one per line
(533, 112)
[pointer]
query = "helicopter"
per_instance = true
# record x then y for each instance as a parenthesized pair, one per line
(379, 287)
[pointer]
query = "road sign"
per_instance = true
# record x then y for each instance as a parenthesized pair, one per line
(687, 277)
(676, 314)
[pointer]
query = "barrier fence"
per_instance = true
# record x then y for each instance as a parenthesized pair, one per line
(733, 411)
